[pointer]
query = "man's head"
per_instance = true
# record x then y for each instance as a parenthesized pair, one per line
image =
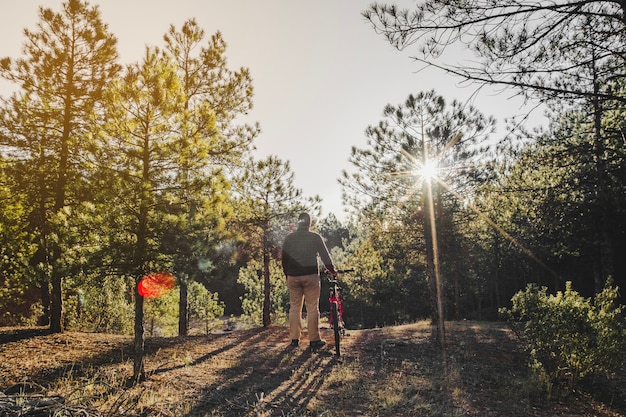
(304, 221)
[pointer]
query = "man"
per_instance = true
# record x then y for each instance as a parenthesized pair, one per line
(300, 254)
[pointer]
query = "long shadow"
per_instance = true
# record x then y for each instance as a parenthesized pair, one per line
(15, 335)
(119, 352)
(487, 366)
(80, 366)
(407, 371)
(297, 397)
(487, 345)
(47, 376)
(243, 337)
(277, 379)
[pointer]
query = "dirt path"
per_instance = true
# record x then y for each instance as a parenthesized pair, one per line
(382, 372)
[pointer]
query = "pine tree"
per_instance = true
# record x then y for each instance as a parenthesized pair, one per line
(266, 200)
(68, 60)
(208, 139)
(140, 148)
(420, 158)
(520, 44)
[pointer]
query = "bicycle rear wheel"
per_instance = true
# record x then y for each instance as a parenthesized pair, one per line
(336, 327)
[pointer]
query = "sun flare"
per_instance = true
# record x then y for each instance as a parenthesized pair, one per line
(428, 170)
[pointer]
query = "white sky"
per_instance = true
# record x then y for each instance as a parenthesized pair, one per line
(320, 72)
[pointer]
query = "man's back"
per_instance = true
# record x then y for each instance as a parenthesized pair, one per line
(300, 251)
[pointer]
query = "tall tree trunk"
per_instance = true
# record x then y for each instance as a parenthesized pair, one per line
(432, 250)
(40, 260)
(432, 265)
(183, 307)
(267, 305)
(44, 319)
(457, 289)
(496, 274)
(439, 244)
(602, 188)
(56, 305)
(140, 262)
(138, 368)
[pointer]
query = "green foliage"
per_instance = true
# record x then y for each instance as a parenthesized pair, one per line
(567, 336)
(114, 175)
(251, 277)
(105, 305)
(68, 60)
(215, 96)
(15, 248)
(385, 289)
(161, 314)
(334, 233)
(204, 305)
(360, 295)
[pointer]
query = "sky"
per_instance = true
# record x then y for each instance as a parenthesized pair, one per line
(321, 74)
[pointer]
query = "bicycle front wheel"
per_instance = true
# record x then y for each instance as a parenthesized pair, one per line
(336, 327)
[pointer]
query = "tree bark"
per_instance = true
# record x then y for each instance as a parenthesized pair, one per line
(432, 266)
(138, 368)
(56, 305)
(267, 304)
(140, 261)
(183, 308)
(602, 190)
(44, 319)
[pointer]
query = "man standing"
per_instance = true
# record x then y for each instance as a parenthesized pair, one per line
(300, 254)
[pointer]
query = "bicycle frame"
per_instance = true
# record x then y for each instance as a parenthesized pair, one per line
(336, 297)
(336, 311)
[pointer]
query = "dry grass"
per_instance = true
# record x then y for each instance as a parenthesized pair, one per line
(395, 371)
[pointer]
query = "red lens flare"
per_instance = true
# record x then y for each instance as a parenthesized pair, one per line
(156, 284)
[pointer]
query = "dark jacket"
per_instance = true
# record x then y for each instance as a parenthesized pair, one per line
(300, 253)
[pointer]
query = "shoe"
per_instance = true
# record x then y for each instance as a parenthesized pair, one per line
(316, 344)
(294, 343)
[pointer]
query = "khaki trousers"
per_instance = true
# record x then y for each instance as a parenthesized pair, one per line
(304, 289)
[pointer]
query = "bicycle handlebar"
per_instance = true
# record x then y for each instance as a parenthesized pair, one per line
(338, 271)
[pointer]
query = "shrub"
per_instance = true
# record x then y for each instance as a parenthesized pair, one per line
(106, 307)
(567, 336)
(252, 301)
(204, 306)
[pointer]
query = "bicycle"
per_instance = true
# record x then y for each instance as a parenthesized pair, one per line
(336, 310)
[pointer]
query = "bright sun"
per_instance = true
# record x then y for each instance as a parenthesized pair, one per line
(429, 170)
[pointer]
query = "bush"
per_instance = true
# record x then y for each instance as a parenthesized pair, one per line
(567, 336)
(106, 307)
(252, 301)
(204, 306)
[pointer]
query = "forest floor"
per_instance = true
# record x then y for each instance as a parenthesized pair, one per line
(392, 371)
